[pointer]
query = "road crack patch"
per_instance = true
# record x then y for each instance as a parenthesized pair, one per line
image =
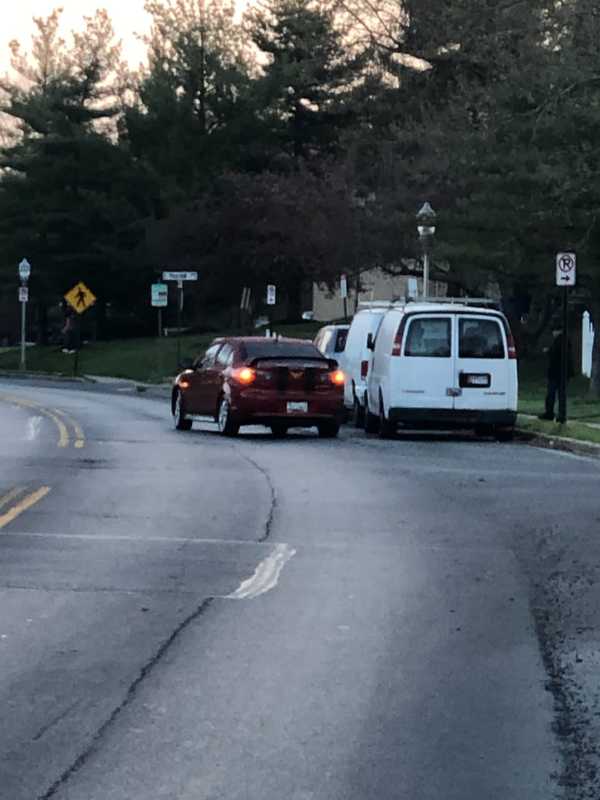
(266, 535)
(130, 695)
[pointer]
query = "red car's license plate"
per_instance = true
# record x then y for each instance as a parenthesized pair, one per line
(297, 408)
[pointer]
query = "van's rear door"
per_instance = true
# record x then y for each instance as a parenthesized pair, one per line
(482, 364)
(424, 376)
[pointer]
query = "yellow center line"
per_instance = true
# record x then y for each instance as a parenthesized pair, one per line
(79, 434)
(4, 501)
(23, 505)
(63, 433)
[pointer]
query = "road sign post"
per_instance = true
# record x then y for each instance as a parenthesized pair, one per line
(159, 299)
(566, 276)
(80, 298)
(344, 293)
(181, 277)
(24, 273)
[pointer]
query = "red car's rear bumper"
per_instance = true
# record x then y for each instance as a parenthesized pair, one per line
(260, 407)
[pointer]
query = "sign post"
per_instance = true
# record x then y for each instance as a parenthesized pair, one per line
(566, 276)
(80, 298)
(24, 273)
(271, 301)
(159, 300)
(180, 277)
(344, 294)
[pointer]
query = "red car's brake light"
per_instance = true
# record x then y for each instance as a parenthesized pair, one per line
(337, 377)
(364, 369)
(244, 375)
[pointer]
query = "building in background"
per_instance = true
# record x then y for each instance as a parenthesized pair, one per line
(374, 285)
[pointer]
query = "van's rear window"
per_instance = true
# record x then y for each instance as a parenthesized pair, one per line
(480, 338)
(428, 338)
(273, 348)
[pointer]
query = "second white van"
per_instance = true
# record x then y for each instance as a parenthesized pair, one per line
(443, 365)
(358, 357)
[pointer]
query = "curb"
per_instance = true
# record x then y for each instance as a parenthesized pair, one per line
(562, 443)
(46, 376)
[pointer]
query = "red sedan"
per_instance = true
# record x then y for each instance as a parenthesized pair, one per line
(280, 383)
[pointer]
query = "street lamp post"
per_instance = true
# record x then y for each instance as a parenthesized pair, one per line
(426, 227)
(24, 273)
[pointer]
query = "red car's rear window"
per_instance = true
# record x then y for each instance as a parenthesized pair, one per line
(274, 348)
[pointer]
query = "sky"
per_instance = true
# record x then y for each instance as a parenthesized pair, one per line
(128, 18)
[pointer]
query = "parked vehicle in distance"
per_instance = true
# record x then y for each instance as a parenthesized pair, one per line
(331, 341)
(357, 358)
(443, 365)
(280, 383)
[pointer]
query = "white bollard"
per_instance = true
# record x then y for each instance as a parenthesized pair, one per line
(587, 344)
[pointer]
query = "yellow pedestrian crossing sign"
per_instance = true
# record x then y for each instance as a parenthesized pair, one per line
(80, 298)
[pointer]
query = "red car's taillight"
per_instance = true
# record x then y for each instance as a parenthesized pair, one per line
(244, 375)
(364, 369)
(337, 377)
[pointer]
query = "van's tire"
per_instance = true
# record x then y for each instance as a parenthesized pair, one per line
(328, 430)
(279, 430)
(505, 434)
(179, 418)
(225, 422)
(371, 420)
(358, 415)
(483, 431)
(387, 429)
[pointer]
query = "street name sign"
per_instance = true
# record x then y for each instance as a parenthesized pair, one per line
(180, 276)
(566, 269)
(160, 295)
(80, 298)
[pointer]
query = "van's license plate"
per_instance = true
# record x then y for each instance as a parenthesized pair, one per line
(478, 380)
(297, 408)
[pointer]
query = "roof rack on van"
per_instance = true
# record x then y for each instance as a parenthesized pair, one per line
(464, 301)
(380, 303)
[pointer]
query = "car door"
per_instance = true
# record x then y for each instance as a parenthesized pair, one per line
(425, 375)
(197, 393)
(214, 383)
(482, 365)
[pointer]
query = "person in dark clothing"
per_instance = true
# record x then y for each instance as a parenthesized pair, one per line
(554, 372)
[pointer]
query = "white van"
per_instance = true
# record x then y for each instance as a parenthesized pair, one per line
(443, 365)
(358, 357)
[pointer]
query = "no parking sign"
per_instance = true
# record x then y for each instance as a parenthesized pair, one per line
(566, 269)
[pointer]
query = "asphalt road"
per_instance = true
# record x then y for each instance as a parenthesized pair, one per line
(184, 617)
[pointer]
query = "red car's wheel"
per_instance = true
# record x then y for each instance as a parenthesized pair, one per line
(227, 425)
(179, 418)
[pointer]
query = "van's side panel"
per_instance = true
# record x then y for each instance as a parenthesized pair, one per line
(380, 380)
(356, 352)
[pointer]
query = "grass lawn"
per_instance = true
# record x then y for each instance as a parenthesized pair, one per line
(149, 360)
(572, 430)
(532, 392)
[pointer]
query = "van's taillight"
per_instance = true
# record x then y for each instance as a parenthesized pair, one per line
(364, 369)
(337, 377)
(244, 375)
(512, 350)
(397, 348)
